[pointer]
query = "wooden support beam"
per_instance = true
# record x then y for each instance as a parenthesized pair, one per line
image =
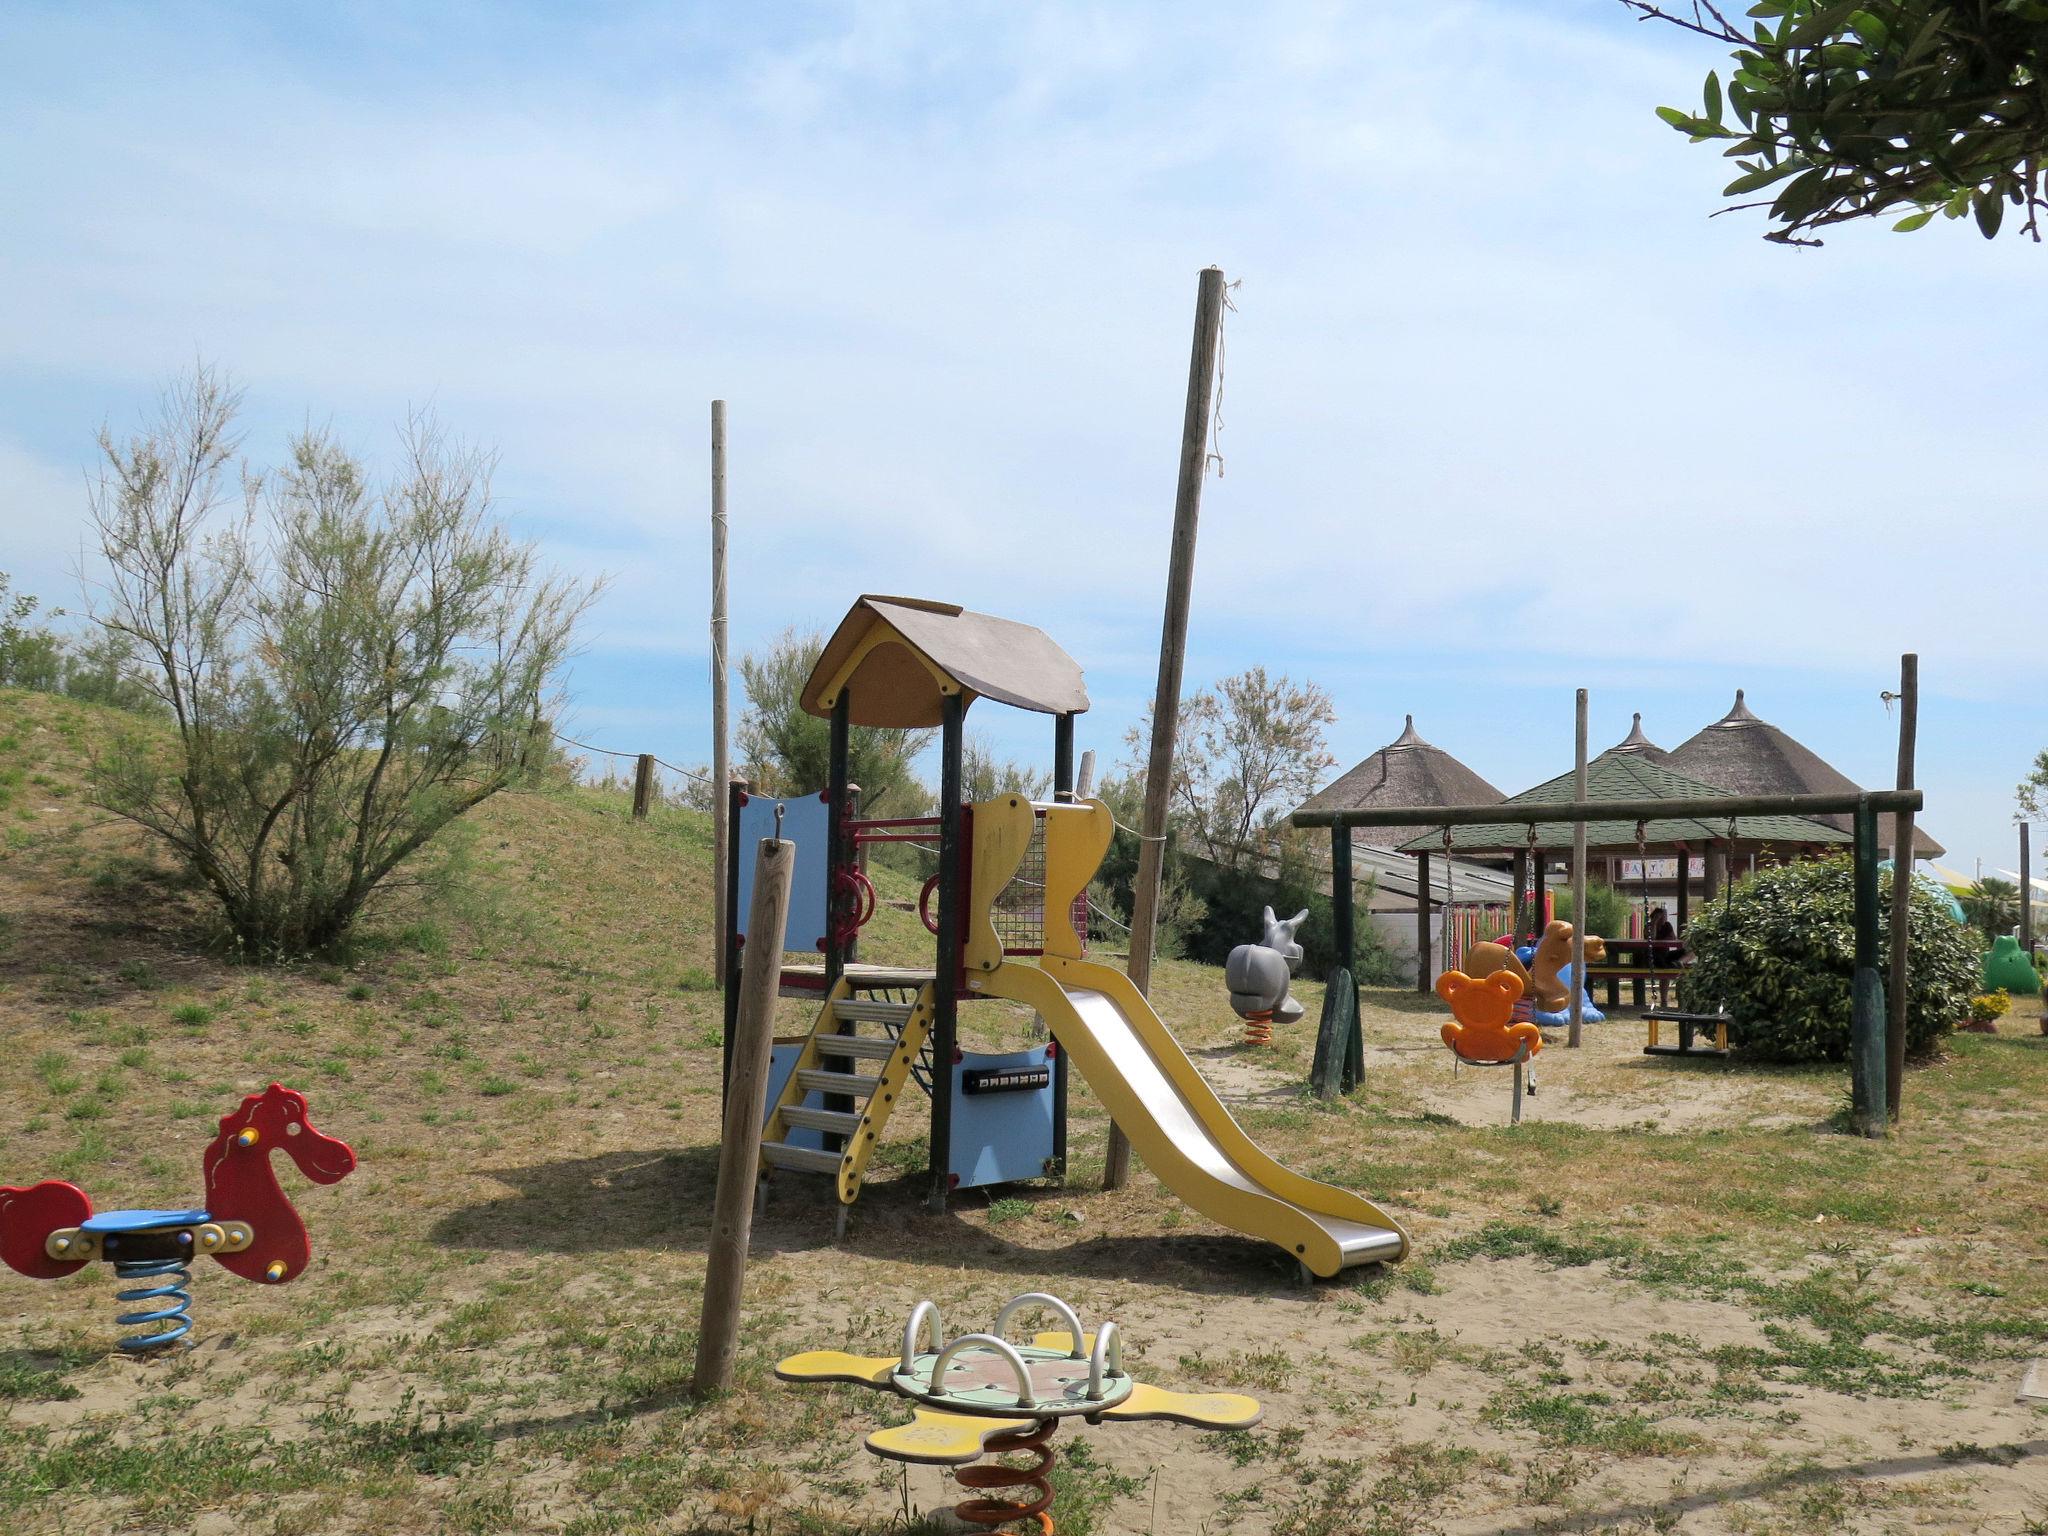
(1902, 890)
(721, 749)
(643, 785)
(2026, 895)
(1425, 983)
(1578, 993)
(732, 1208)
(1867, 1071)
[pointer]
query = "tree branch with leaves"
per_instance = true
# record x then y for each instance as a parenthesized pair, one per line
(1854, 109)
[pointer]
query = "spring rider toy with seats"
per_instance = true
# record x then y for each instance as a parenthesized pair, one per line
(1257, 975)
(985, 1396)
(48, 1230)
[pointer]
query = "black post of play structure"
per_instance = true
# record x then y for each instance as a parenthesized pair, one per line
(1867, 1011)
(1063, 792)
(729, 940)
(836, 773)
(1339, 1063)
(945, 989)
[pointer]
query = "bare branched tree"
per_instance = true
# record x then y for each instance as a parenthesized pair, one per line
(348, 669)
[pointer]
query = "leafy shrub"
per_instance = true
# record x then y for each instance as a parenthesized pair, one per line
(1780, 957)
(1607, 909)
(1990, 1007)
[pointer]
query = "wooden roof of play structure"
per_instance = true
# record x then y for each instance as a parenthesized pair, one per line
(899, 658)
(1635, 743)
(1406, 771)
(1748, 756)
(1630, 776)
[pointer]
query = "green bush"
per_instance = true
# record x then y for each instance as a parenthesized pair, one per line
(1608, 909)
(1779, 957)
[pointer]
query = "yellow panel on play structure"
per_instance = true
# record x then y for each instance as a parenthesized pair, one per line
(1002, 836)
(1076, 838)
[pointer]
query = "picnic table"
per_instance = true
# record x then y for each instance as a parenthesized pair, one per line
(1638, 961)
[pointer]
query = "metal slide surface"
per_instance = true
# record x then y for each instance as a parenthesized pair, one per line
(1182, 1130)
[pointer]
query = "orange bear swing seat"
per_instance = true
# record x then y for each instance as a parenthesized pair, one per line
(1483, 1009)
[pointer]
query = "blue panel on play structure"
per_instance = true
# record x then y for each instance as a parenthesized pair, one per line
(805, 821)
(1002, 1116)
(781, 1062)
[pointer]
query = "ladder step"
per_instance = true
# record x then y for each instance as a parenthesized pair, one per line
(866, 1047)
(817, 1080)
(862, 1010)
(836, 1121)
(780, 1154)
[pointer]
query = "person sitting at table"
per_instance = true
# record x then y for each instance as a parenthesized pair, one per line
(1663, 950)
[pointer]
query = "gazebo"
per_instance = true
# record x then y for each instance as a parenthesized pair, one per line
(1408, 771)
(1630, 776)
(1744, 755)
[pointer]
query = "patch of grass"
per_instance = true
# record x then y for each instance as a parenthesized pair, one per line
(496, 1087)
(1586, 1421)
(192, 1014)
(54, 1068)
(1012, 1209)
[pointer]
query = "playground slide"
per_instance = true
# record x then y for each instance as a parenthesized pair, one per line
(1179, 1126)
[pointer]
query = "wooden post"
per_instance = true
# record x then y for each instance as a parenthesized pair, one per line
(1684, 888)
(1173, 640)
(1516, 922)
(1342, 1014)
(1868, 1072)
(1062, 792)
(946, 987)
(721, 750)
(1902, 890)
(837, 774)
(1578, 995)
(732, 1210)
(1343, 908)
(1063, 757)
(1084, 783)
(643, 785)
(1717, 870)
(1423, 979)
(2026, 895)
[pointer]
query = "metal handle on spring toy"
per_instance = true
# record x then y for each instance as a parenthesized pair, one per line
(1107, 1360)
(989, 1341)
(911, 1330)
(1051, 1303)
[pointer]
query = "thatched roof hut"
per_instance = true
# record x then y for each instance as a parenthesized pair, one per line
(1406, 771)
(1743, 755)
(1636, 744)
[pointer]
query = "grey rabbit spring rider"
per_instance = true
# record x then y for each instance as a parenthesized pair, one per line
(1257, 975)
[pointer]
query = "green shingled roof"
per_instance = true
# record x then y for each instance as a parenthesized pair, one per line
(1627, 776)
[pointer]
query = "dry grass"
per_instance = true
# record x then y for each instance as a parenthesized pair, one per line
(1675, 1299)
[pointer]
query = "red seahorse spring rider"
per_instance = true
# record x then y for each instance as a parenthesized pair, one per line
(48, 1230)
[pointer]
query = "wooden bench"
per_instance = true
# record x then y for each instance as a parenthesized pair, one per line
(1615, 975)
(1688, 1024)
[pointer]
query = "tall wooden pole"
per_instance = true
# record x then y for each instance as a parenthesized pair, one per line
(746, 1101)
(1578, 997)
(721, 754)
(1868, 1070)
(1902, 890)
(946, 984)
(1173, 640)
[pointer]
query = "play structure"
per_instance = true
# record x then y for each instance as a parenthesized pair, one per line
(2006, 965)
(1258, 976)
(247, 1225)
(1007, 905)
(981, 1395)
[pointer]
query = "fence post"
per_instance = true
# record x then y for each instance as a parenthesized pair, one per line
(1866, 1005)
(643, 785)
(732, 1211)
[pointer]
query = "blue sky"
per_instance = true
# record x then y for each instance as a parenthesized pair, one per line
(1504, 412)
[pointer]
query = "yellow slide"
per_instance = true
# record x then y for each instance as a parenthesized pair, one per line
(1179, 1126)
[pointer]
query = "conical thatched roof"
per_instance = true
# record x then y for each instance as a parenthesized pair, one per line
(1406, 771)
(1747, 756)
(1629, 776)
(1636, 744)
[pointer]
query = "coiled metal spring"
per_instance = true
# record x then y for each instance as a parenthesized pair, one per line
(168, 1317)
(995, 1512)
(1258, 1027)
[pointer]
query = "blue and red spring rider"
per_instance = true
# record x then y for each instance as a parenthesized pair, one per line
(248, 1226)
